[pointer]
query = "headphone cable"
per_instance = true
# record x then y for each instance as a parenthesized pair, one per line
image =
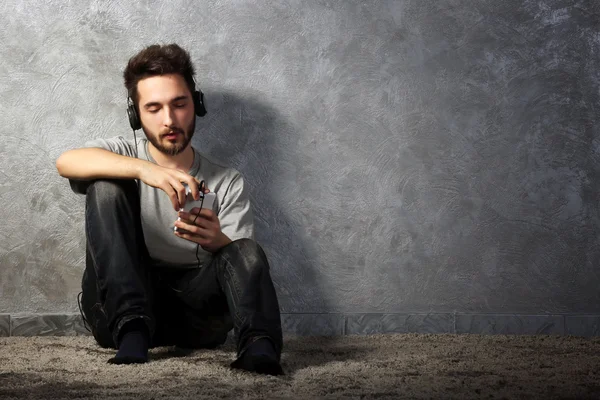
(202, 187)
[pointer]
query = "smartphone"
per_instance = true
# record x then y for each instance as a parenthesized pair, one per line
(207, 202)
(190, 202)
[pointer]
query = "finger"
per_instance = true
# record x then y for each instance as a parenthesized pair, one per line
(180, 230)
(186, 227)
(193, 185)
(192, 238)
(206, 190)
(194, 220)
(168, 189)
(180, 190)
(206, 213)
(192, 229)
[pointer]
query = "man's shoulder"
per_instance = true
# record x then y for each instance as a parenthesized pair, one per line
(117, 144)
(114, 138)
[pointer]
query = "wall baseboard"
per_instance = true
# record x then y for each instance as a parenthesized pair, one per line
(336, 324)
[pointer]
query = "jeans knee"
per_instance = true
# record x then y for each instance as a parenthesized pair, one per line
(249, 251)
(246, 246)
(109, 191)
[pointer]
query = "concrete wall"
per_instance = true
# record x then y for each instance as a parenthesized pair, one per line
(414, 165)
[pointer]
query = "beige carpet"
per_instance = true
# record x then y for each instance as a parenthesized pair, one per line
(352, 367)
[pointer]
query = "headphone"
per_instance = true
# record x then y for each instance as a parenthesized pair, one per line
(136, 123)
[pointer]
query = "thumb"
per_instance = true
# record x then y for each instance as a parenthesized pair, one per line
(206, 190)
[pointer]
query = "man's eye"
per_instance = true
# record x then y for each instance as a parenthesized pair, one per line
(180, 105)
(153, 111)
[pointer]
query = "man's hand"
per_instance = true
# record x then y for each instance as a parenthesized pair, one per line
(170, 181)
(206, 230)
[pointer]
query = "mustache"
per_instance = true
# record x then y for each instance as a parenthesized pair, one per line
(171, 131)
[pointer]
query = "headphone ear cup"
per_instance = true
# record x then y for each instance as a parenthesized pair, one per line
(199, 103)
(134, 120)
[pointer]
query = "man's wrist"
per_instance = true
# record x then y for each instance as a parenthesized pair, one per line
(139, 167)
(225, 240)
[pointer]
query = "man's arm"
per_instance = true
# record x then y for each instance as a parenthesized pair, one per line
(236, 216)
(96, 163)
(81, 166)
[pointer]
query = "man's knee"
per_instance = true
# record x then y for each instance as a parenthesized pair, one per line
(245, 246)
(248, 249)
(108, 191)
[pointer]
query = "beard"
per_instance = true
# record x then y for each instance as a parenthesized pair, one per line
(172, 148)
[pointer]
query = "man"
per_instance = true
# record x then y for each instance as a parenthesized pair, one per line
(145, 284)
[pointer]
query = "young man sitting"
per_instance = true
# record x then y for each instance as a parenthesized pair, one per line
(145, 283)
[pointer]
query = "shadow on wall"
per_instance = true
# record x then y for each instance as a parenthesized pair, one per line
(245, 133)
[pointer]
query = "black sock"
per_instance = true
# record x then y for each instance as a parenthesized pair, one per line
(260, 357)
(133, 346)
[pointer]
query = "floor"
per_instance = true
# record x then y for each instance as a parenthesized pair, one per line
(391, 366)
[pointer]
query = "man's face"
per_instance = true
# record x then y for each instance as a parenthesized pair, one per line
(167, 112)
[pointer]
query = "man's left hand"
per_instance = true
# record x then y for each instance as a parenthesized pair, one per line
(206, 230)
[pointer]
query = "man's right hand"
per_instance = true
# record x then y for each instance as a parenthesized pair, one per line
(171, 182)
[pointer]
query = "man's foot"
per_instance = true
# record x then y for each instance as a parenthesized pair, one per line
(133, 348)
(260, 357)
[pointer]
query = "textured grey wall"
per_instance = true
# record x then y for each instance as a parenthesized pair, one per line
(404, 156)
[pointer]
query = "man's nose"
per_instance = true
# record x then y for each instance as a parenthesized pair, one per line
(168, 116)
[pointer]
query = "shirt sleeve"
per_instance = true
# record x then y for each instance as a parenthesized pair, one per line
(118, 145)
(235, 214)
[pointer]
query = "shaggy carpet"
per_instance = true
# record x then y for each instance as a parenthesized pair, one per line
(411, 366)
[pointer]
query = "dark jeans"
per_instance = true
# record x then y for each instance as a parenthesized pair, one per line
(192, 308)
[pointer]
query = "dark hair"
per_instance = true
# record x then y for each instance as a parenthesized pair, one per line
(158, 60)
